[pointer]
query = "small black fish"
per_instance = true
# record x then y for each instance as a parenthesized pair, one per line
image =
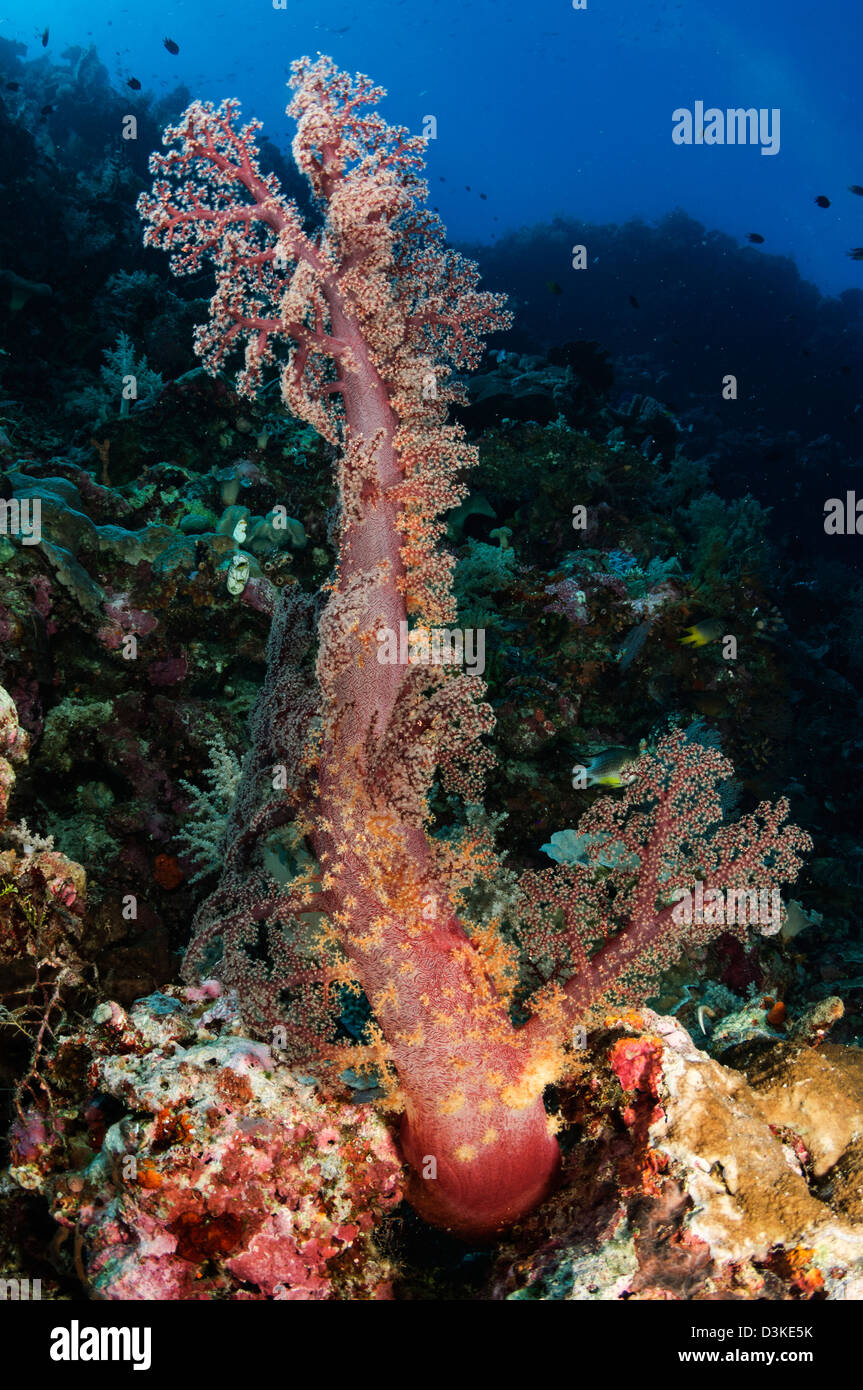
(822, 201)
(46, 110)
(855, 188)
(45, 34)
(467, 188)
(484, 197)
(856, 254)
(13, 86)
(171, 46)
(134, 84)
(634, 302)
(441, 178)
(755, 237)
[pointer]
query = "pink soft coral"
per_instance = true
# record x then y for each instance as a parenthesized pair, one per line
(367, 319)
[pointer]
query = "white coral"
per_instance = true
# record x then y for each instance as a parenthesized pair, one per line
(26, 839)
(203, 839)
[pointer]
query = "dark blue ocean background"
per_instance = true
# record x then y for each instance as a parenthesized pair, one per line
(545, 109)
(554, 129)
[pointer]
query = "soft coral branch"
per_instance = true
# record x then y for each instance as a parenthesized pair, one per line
(619, 927)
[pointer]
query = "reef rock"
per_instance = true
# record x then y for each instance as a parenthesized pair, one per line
(685, 1181)
(192, 1163)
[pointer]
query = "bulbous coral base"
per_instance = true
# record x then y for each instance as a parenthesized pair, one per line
(477, 1199)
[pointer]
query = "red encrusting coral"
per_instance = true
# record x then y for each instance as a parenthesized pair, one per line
(372, 314)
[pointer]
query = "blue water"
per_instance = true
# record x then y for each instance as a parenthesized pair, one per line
(545, 109)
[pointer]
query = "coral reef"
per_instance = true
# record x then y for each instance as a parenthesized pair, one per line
(193, 1164)
(691, 1183)
(42, 903)
(421, 907)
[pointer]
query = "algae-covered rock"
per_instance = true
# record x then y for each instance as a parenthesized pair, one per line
(682, 1180)
(195, 1164)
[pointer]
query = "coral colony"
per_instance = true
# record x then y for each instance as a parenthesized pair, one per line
(372, 315)
(414, 918)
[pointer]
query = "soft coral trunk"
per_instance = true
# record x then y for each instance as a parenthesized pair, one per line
(474, 1128)
(379, 311)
